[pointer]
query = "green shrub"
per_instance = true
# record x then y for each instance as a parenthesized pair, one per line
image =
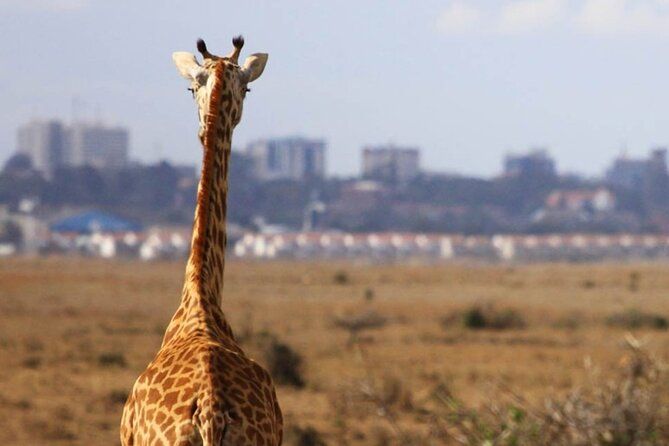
(116, 397)
(112, 360)
(636, 319)
(589, 284)
(32, 362)
(341, 278)
(369, 294)
(480, 318)
(308, 436)
(570, 321)
(634, 280)
(285, 364)
(474, 318)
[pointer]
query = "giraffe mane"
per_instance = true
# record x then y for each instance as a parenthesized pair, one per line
(208, 142)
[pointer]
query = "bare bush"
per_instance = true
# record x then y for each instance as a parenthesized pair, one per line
(357, 323)
(625, 410)
(390, 392)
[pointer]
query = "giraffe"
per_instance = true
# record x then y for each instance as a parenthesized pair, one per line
(201, 388)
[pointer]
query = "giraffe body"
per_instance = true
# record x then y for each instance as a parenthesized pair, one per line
(201, 388)
(197, 392)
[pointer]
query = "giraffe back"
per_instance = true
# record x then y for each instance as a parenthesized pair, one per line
(200, 392)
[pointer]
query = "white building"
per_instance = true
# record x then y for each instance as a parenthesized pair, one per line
(44, 142)
(97, 145)
(390, 163)
(287, 158)
(51, 144)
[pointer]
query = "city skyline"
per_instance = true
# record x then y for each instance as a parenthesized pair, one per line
(287, 157)
(468, 81)
(623, 152)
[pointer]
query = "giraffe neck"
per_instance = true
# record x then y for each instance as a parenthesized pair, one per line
(201, 300)
(204, 271)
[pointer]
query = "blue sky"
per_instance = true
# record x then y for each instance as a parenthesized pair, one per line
(468, 81)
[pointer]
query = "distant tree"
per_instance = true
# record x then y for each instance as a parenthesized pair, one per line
(281, 201)
(244, 189)
(77, 186)
(11, 233)
(158, 185)
(448, 190)
(153, 186)
(18, 162)
(524, 193)
(15, 185)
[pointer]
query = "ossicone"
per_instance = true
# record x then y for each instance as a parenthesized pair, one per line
(202, 48)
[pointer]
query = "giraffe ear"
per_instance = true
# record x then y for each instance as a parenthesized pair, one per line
(253, 67)
(187, 65)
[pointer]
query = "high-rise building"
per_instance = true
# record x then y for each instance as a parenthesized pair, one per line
(657, 179)
(97, 145)
(44, 142)
(627, 173)
(287, 158)
(537, 163)
(51, 144)
(390, 163)
(647, 176)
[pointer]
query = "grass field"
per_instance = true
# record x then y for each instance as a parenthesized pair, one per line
(75, 333)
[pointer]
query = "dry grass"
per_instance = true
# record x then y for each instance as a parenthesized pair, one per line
(625, 409)
(75, 333)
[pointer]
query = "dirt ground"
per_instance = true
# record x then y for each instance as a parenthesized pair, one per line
(75, 333)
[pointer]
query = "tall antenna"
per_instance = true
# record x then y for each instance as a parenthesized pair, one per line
(158, 150)
(98, 114)
(74, 109)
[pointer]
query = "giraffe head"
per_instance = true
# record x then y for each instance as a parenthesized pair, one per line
(202, 77)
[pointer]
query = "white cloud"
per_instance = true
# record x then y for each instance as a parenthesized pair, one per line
(595, 17)
(459, 18)
(616, 17)
(44, 5)
(521, 16)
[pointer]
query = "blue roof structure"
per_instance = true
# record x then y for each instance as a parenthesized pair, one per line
(94, 221)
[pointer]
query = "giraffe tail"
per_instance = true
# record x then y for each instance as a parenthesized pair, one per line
(211, 427)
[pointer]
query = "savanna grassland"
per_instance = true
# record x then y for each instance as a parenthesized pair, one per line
(363, 354)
